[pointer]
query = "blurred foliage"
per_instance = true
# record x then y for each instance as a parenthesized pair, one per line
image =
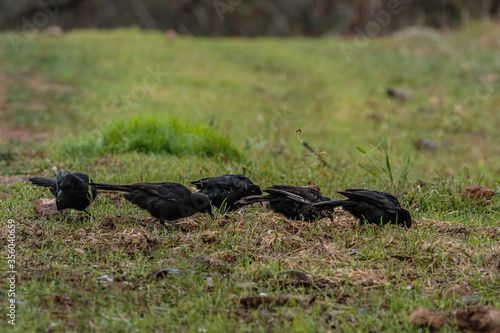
(242, 18)
(152, 135)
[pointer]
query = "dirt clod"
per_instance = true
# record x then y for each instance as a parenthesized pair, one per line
(45, 207)
(457, 291)
(208, 237)
(477, 192)
(483, 319)
(424, 317)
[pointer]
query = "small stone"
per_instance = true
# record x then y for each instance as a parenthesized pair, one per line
(470, 299)
(208, 262)
(425, 145)
(397, 93)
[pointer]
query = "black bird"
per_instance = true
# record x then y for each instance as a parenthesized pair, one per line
(294, 202)
(71, 189)
(165, 201)
(225, 190)
(373, 206)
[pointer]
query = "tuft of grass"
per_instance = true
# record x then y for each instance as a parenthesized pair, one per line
(381, 165)
(153, 135)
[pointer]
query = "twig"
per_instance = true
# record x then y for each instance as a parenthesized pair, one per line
(315, 153)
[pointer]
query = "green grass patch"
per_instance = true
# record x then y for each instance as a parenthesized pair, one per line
(153, 135)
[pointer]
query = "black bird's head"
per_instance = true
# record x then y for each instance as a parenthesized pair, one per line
(404, 218)
(71, 192)
(254, 190)
(65, 187)
(201, 202)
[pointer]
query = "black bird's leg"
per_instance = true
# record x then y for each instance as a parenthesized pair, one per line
(86, 211)
(172, 224)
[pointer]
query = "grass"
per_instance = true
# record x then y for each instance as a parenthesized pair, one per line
(102, 100)
(151, 135)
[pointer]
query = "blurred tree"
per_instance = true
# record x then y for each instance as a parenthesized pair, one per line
(242, 18)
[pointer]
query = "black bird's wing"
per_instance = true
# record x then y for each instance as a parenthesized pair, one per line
(42, 181)
(224, 191)
(229, 181)
(45, 182)
(82, 176)
(86, 181)
(169, 191)
(379, 199)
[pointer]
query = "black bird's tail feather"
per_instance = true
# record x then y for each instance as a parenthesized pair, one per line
(42, 181)
(253, 199)
(335, 203)
(110, 187)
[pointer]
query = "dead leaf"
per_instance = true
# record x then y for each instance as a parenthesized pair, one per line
(483, 319)
(423, 317)
(493, 258)
(4, 196)
(92, 326)
(477, 192)
(435, 100)
(45, 207)
(80, 251)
